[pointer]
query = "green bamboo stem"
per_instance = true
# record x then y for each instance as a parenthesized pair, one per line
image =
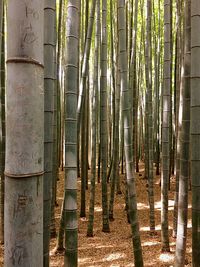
(71, 90)
(195, 130)
(2, 141)
(85, 64)
(127, 137)
(49, 83)
(103, 117)
(185, 146)
(165, 172)
(94, 124)
(150, 118)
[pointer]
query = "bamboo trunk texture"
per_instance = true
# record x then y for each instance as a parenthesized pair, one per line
(49, 84)
(85, 64)
(71, 90)
(115, 170)
(94, 123)
(56, 135)
(127, 136)
(185, 146)
(165, 172)
(2, 128)
(24, 165)
(150, 118)
(103, 117)
(195, 129)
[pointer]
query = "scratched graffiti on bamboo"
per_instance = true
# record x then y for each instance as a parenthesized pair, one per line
(28, 34)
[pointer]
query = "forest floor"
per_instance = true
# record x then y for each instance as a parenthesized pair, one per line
(115, 249)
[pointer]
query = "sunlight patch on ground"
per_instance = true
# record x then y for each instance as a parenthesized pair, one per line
(170, 204)
(114, 256)
(142, 206)
(189, 224)
(98, 209)
(96, 246)
(107, 246)
(154, 243)
(144, 228)
(83, 260)
(147, 228)
(166, 257)
(84, 219)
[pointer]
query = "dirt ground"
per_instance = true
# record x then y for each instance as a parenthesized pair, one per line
(114, 249)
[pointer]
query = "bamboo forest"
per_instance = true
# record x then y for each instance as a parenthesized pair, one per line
(99, 133)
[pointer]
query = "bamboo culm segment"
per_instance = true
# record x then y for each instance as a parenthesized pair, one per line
(165, 173)
(49, 87)
(195, 130)
(127, 136)
(71, 90)
(25, 135)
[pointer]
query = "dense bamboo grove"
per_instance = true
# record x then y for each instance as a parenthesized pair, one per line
(91, 89)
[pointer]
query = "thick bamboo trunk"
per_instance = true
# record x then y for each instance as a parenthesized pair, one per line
(25, 135)
(185, 147)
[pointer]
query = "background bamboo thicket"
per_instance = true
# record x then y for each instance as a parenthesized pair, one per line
(119, 141)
